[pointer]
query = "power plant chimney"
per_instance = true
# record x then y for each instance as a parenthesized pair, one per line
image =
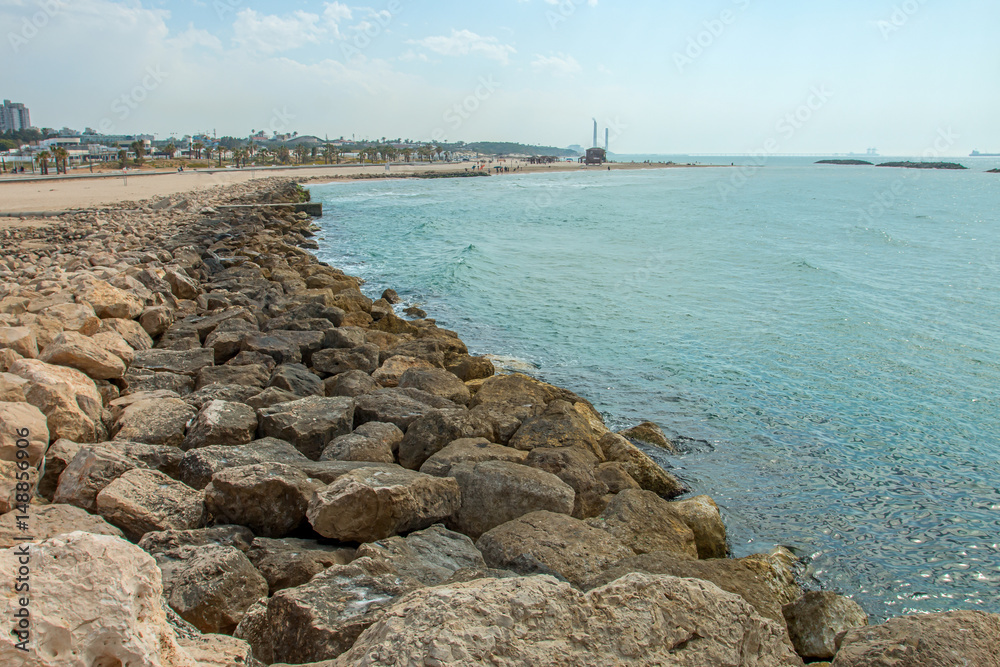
(595, 133)
(606, 133)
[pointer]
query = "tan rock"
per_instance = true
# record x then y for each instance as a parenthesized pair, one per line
(7, 359)
(75, 317)
(115, 343)
(68, 398)
(430, 556)
(650, 434)
(108, 609)
(155, 422)
(578, 468)
(130, 330)
(17, 485)
(20, 340)
(217, 650)
(140, 501)
(46, 328)
(559, 426)
(701, 515)
(111, 302)
(25, 424)
(469, 450)
(640, 467)
(48, 521)
(389, 373)
(637, 620)
(154, 321)
(80, 352)
(12, 387)
(815, 620)
(643, 521)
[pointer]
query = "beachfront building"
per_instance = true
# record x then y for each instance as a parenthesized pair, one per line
(14, 116)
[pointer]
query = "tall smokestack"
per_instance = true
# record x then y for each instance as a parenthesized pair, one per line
(606, 133)
(595, 133)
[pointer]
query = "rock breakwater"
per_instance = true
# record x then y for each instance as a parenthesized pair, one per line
(217, 450)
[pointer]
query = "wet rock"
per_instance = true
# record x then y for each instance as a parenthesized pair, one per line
(68, 398)
(211, 586)
(19, 339)
(80, 352)
(639, 619)
(643, 521)
(221, 423)
(392, 370)
(108, 609)
(650, 434)
(155, 421)
(23, 423)
(297, 379)
(199, 465)
(472, 368)
(268, 498)
(370, 504)
(640, 467)
(140, 501)
(340, 360)
(815, 620)
(469, 450)
(48, 521)
(238, 537)
(246, 375)
(576, 467)
(430, 556)
(291, 562)
(495, 492)
(949, 638)
(551, 543)
(310, 423)
(701, 514)
(438, 382)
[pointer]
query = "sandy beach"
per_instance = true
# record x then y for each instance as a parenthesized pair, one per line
(22, 194)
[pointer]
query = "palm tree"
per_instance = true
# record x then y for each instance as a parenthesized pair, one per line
(300, 152)
(170, 150)
(197, 147)
(122, 157)
(139, 149)
(407, 153)
(328, 153)
(284, 155)
(62, 157)
(43, 162)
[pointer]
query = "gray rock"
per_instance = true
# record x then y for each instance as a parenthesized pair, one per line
(815, 620)
(280, 349)
(310, 423)
(431, 556)
(291, 562)
(238, 537)
(199, 465)
(577, 467)
(296, 379)
(350, 383)
(221, 423)
(155, 421)
(334, 361)
(437, 381)
(469, 450)
(270, 396)
(644, 522)
(140, 501)
(141, 380)
(231, 393)
(182, 362)
(268, 498)
(248, 375)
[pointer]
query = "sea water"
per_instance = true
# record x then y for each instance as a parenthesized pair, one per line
(821, 341)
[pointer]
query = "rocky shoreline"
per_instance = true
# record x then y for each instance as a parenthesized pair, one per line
(216, 450)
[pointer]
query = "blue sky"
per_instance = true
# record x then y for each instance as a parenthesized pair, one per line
(667, 76)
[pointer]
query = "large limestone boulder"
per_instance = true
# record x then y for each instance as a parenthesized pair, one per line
(430, 556)
(19, 339)
(815, 620)
(469, 450)
(578, 468)
(390, 372)
(140, 501)
(155, 421)
(436, 381)
(130, 330)
(369, 504)
(550, 543)
(643, 521)
(495, 492)
(111, 302)
(179, 362)
(639, 466)
(637, 620)
(68, 398)
(310, 423)
(268, 498)
(396, 406)
(211, 586)
(650, 434)
(104, 607)
(949, 638)
(199, 465)
(48, 521)
(221, 423)
(24, 423)
(290, 562)
(701, 515)
(78, 351)
(559, 426)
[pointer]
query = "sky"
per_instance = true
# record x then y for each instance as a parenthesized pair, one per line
(908, 77)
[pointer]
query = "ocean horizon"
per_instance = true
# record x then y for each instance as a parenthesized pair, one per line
(820, 341)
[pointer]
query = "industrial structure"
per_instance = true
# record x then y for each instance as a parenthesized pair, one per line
(596, 154)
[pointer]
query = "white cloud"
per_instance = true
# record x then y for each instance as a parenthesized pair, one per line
(466, 42)
(560, 64)
(192, 37)
(268, 33)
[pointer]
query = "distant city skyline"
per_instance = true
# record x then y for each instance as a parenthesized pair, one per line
(909, 77)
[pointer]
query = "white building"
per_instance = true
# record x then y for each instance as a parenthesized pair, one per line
(14, 116)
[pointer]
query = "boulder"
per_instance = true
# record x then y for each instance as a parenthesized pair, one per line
(297, 379)
(238, 537)
(650, 434)
(180, 362)
(396, 406)
(130, 330)
(117, 405)
(815, 620)
(156, 320)
(217, 650)
(226, 344)
(549, 543)
(12, 387)
(140, 380)
(350, 383)
(438, 382)
(253, 359)
(269, 397)
(306, 341)
(701, 515)
(559, 426)
(181, 285)
(519, 389)
(228, 393)
(357, 447)
(291, 562)
(472, 368)
(268, 498)
(107, 609)
(77, 351)
(638, 620)
(17, 485)
(392, 370)
(643, 521)
(57, 457)
(576, 467)
(435, 429)
(48, 521)
(345, 337)
(282, 350)
(68, 398)
(113, 342)
(155, 421)
(949, 638)
(19, 339)
(247, 375)
(430, 556)
(25, 424)
(369, 504)
(111, 302)
(340, 360)
(469, 450)
(199, 465)
(139, 501)
(639, 466)
(495, 492)
(310, 423)
(90, 470)
(211, 586)
(323, 618)
(75, 317)
(221, 423)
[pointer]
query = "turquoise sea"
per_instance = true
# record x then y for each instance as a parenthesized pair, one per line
(822, 341)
